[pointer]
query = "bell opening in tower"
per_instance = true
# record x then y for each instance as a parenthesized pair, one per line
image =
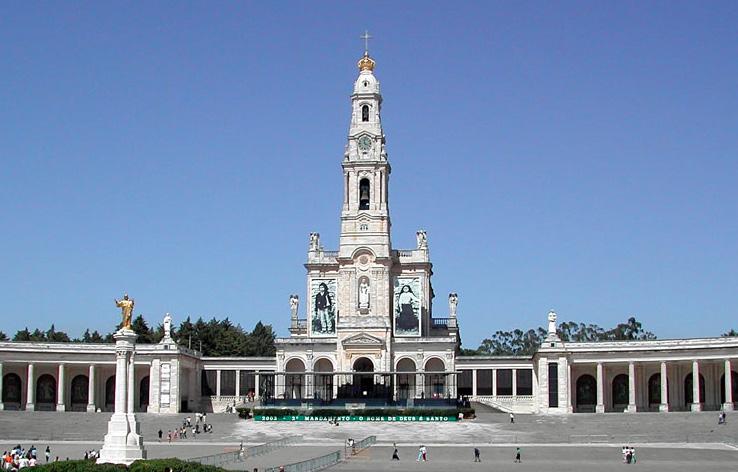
(364, 194)
(365, 113)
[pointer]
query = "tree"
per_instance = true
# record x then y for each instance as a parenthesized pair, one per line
(55, 336)
(22, 335)
(141, 328)
(732, 332)
(263, 340)
(3, 336)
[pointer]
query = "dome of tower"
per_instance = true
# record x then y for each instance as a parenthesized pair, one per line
(366, 63)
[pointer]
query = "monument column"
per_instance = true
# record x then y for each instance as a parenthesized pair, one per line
(2, 406)
(664, 381)
(91, 407)
(257, 390)
(600, 408)
(514, 384)
(123, 444)
(60, 403)
(31, 389)
(631, 387)
(696, 400)
(727, 406)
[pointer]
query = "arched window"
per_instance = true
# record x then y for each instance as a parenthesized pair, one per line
(619, 392)
(364, 191)
(654, 389)
(143, 394)
(11, 389)
(586, 393)
(80, 390)
(365, 113)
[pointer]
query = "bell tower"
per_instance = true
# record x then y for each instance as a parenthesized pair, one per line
(365, 218)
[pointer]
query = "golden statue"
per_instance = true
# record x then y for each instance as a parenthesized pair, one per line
(126, 306)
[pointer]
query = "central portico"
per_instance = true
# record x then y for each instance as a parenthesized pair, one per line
(369, 306)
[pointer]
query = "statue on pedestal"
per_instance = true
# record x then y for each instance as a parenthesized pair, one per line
(314, 241)
(364, 294)
(167, 326)
(126, 306)
(552, 322)
(453, 301)
(422, 239)
(294, 304)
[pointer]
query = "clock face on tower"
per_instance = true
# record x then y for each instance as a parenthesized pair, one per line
(365, 143)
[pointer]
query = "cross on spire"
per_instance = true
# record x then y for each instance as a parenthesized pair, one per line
(366, 39)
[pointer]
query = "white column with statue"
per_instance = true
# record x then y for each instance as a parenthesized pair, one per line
(123, 444)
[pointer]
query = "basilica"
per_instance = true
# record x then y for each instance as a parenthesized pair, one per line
(367, 333)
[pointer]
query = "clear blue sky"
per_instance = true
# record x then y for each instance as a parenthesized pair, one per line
(581, 156)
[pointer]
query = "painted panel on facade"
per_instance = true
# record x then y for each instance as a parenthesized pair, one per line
(323, 307)
(407, 297)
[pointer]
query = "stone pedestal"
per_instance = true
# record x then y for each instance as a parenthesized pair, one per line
(123, 443)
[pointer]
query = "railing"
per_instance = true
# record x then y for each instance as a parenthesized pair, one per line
(330, 254)
(310, 465)
(439, 323)
(508, 403)
(241, 454)
(401, 253)
(359, 446)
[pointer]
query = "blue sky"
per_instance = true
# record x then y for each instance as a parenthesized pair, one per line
(580, 156)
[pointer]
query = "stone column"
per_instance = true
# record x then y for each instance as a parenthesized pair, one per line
(696, 400)
(474, 383)
(217, 384)
(494, 382)
(570, 405)
(600, 408)
(238, 384)
(631, 388)
(31, 389)
(91, 407)
(175, 396)
(121, 377)
(727, 406)
(2, 406)
(664, 405)
(61, 404)
(514, 383)
(257, 389)
(155, 386)
(130, 408)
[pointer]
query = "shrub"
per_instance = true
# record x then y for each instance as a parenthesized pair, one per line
(160, 465)
(78, 466)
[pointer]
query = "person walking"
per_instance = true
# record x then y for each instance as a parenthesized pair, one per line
(395, 455)
(517, 455)
(512, 418)
(425, 453)
(161, 433)
(476, 455)
(420, 453)
(48, 454)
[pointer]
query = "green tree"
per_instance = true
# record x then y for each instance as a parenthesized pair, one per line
(263, 340)
(141, 328)
(732, 332)
(22, 335)
(55, 336)
(3, 336)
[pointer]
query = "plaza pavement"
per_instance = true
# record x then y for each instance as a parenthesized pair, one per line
(671, 441)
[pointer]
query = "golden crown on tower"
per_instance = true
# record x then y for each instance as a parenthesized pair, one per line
(366, 63)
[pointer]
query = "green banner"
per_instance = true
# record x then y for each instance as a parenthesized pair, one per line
(369, 419)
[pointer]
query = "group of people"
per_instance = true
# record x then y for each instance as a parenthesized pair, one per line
(423, 453)
(629, 455)
(722, 417)
(187, 425)
(20, 458)
(92, 454)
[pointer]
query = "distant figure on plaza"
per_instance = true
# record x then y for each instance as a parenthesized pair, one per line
(395, 454)
(517, 455)
(722, 417)
(512, 418)
(476, 455)
(126, 307)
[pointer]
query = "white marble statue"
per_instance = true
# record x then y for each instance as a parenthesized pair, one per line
(364, 294)
(453, 301)
(551, 322)
(422, 239)
(167, 326)
(314, 241)
(294, 304)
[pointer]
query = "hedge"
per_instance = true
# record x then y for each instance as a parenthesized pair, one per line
(153, 465)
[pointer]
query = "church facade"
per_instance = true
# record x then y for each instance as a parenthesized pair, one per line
(368, 334)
